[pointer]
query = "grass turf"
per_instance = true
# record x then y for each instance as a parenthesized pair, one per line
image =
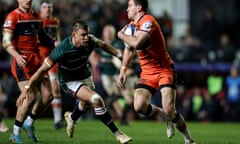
(142, 132)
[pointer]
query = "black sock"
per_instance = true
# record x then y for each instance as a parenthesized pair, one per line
(149, 110)
(1, 116)
(180, 123)
(76, 113)
(34, 117)
(18, 123)
(126, 109)
(106, 118)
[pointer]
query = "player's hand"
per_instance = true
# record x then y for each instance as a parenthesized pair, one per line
(21, 98)
(124, 28)
(121, 32)
(121, 80)
(20, 59)
(56, 43)
(27, 93)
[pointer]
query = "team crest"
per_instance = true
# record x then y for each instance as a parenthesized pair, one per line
(146, 26)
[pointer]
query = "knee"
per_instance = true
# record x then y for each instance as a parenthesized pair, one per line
(97, 100)
(30, 100)
(141, 98)
(56, 92)
(140, 107)
(47, 97)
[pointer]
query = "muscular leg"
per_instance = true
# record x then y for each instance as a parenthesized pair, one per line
(141, 105)
(89, 96)
(45, 99)
(168, 102)
(23, 109)
(57, 101)
(39, 108)
(112, 90)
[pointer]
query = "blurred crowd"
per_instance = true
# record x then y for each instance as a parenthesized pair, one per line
(217, 100)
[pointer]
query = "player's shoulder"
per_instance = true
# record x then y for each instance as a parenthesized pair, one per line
(146, 22)
(11, 18)
(12, 14)
(147, 17)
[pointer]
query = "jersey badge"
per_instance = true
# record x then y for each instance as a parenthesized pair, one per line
(146, 26)
(7, 23)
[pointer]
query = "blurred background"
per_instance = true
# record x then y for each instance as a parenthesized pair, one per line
(202, 36)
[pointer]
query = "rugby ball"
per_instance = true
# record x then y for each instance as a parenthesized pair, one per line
(130, 30)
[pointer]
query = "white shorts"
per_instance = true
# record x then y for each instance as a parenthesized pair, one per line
(72, 87)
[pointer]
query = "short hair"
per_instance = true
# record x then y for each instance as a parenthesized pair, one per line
(45, 2)
(143, 3)
(112, 29)
(79, 24)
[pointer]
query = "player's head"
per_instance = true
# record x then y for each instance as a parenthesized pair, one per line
(109, 33)
(46, 8)
(80, 33)
(25, 4)
(135, 7)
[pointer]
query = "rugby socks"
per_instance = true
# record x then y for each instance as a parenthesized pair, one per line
(57, 109)
(126, 109)
(77, 112)
(1, 116)
(105, 117)
(181, 126)
(17, 127)
(30, 119)
(153, 110)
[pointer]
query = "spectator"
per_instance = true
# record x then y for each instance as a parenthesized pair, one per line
(209, 33)
(225, 51)
(215, 88)
(232, 95)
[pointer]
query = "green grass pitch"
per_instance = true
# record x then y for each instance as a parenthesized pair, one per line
(142, 132)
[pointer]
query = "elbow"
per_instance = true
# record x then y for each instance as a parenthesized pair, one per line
(135, 45)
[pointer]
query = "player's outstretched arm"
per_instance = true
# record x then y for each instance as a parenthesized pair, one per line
(127, 57)
(46, 65)
(106, 47)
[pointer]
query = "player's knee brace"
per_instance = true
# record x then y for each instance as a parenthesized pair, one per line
(97, 100)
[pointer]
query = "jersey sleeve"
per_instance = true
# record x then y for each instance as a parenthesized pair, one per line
(10, 22)
(56, 53)
(146, 24)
